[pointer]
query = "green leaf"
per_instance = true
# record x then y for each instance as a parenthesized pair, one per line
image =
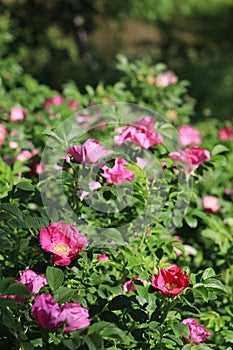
(17, 289)
(26, 185)
(219, 149)
(94, 342)
(55, 277)
(180, 330)
(97, 327)
(191, 221)
(63, 294)
(5, 283)
(208, 273)
(214, 284)
(114, 333)
(119, 302)
(12, 209)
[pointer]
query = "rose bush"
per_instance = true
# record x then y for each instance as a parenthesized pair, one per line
(91, 296)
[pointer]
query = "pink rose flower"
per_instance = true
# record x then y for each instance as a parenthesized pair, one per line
(129, 286)
(226, 133)
(32, 281)
(188, 135)
(56, 100)
(89, 153)
(176, 250)
(198, 333)
(50, 315)
(46, 311)
(192, 156)
(75, 317)
(170, 281)
(3, 134)
(26, 155)
(227, 191)
(142, 134)
(73, 104)
(165, 79)
(63, 241)
(118, 174)
(210, 204)
(102, 257)
(17, 114)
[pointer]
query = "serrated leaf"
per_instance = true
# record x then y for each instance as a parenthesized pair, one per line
(180, 330)
(12, 209)
(63, 294)
(55, 277)
(17, 289)
(26, 185)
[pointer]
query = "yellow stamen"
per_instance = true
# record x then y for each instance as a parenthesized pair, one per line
(61, 248)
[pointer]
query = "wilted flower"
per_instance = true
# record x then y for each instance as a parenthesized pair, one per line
(188, 135)
(129, 286)
(165, 79)
(63, 241)
(210, 204)
(170, 281)
(89, 153)
(17, 114)
(117, 174)
(198, 333)
(193, 157)
(226, 133)
(142, 134)
(3, 133)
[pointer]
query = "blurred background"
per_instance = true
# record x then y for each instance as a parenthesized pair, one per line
(61, 40)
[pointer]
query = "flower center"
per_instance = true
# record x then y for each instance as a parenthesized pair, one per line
(61, 248)
(171, 286)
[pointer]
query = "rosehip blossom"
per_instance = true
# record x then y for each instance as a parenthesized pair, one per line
(165, 79)
(17, 114)
(63, 241)
(26, 155)
(118, 174)
(3, 134)
(129, 286)
(92, 186)
(89, 153)
(142, 134)
(73, 104)
(56, 100)
(50, 315)
(210, 204)
(170, 281)
(226, 133)
(198, 333)
(75, 317)
(227, 191)
(102, 257)
(188, 135)
(192, 156)
(177, 250)
(32, 281)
